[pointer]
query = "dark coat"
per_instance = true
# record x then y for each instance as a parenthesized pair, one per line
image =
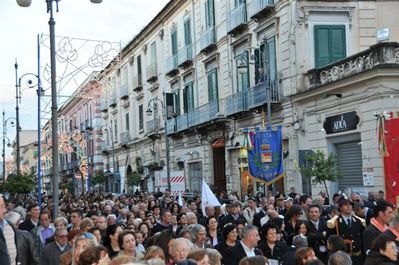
(278, 251)
(24, 243)
(352, 233)
(237, 253)
(222, 248)
(376, 258)
(4, 257)
(257, 218)
(370, 233)
(27, 225)
(289, 256)
(51, 254)
(159, 228)
(317, 238)
(230, 219)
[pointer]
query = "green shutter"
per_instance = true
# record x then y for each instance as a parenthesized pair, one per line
(174, 41)
(330, 44)
(338, 43)
(187, 31)
(209, 14)
(271, 54)
(169, 104)
(212, 86)
(257, 65)
(153, 53)
(177, 102)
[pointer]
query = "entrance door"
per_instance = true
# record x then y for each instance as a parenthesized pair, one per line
(349, 156)
(219, 170)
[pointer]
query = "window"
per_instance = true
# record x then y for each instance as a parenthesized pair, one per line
(173, 38)
(330, 44)
(239, 2)
(113, 86)
(154, 54)
(242, 71)
(127, 122)
(187, 31)
(115, 130)
(209, 14)
(188, 97)
(141, 118)
(124, 77)
(265, 62)
(139, 71)
(212, 85)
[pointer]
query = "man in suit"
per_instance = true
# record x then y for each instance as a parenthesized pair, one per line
(262, 213)
(33, 220)
(16, 246)
(317, 232)
(350, 228)
(245, 248)
(383, 215)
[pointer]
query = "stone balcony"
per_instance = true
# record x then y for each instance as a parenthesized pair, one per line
(380, 55)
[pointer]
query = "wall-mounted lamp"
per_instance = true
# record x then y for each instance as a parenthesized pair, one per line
(338, 95)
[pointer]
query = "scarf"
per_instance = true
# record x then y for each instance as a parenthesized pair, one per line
(396, 233)
(381, 227)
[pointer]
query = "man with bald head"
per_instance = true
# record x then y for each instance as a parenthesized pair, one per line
(16, 246)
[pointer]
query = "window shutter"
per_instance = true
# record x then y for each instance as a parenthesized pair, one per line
(322, 46)
(338, 43)
(174, 41)
(212, 85)
(271, 53)
(185, 99)
(257, 65)
(169, 104)
(177, 102)
(187, 32)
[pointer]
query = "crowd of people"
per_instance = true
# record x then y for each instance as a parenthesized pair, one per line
(158, 228)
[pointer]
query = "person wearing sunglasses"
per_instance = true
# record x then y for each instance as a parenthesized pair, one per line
(52, 251)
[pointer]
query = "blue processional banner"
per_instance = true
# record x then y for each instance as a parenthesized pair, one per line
(265, 157)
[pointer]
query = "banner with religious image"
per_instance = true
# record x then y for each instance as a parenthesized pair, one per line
(265, 157)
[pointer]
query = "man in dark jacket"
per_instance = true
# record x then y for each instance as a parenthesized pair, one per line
(383, 215)
(52, 251)
(164, 223)
(33, 220)
(245, 248)
(16, 246)
(317, 232)
(234, 216)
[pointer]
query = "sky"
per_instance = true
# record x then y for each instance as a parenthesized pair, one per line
(116, 21)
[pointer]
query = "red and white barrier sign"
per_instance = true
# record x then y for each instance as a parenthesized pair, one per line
(177, 182)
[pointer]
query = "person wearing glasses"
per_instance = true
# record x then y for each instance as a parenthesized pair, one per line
(230, 235)
(52, 251)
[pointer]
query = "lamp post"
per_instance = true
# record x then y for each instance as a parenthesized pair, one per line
(108, 129)
(17, 101)
(39, 91)
(4, 138)
(149, 112)
(54, 104)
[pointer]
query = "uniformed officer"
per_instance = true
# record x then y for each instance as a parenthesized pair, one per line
(350, 227)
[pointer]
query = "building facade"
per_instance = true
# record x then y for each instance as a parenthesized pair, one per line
(208, 69)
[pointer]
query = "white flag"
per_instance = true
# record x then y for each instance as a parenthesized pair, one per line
(180, 200)
(208, 198)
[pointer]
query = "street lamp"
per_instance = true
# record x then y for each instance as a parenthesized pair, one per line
(39, 91)
(54, 104)
(151, 106)
(109, 131)
(4, 137)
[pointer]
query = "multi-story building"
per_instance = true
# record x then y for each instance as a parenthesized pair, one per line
(217, 67)
(28, 149)
(81, 114)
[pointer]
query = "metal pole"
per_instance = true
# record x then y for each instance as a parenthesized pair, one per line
(17, 116)
(4, 150)
(54, 109)
(39, 146)
(269, 107)
(166, 144)
(89, 151)
(113, 152)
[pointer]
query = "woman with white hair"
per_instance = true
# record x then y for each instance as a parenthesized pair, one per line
(199, 237)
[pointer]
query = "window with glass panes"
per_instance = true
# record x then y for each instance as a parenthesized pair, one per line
(209, 13)
(141, 118)
(265, 62)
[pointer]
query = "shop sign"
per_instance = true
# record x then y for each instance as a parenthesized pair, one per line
(341, 123)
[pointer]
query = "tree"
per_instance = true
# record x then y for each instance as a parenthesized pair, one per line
(98, 178)
(321, 168)
(133, 179)
(22, 184)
